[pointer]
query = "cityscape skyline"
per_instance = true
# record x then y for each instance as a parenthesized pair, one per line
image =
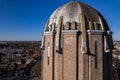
(24, 20)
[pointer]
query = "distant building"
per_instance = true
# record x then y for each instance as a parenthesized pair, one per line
(117, 45)
(76, 44)
(3, 58)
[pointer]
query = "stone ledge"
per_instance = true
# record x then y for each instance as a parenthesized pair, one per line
(95, 32)
(49, 33)
(69, 31)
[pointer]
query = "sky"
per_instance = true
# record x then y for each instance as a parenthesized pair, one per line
(24, 20)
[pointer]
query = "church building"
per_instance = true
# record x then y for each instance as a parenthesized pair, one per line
(77, 44)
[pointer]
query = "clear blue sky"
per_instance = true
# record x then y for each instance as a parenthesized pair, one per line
(25, 19)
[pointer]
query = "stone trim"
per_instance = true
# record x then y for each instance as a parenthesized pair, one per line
(84, 34)
(95, 32)
(69, 31)
(109, 32)
(63, 32)
(107, 51)
(43, 36)
(58, 35)
(49, 33)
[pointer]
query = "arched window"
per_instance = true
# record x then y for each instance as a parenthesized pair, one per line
(48, 53)
(96, 53)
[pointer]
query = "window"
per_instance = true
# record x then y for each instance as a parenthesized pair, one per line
(48, 53)
(96, 54)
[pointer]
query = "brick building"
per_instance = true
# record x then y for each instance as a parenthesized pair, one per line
(76, 44)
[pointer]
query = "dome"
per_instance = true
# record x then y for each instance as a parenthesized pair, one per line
(71, 12)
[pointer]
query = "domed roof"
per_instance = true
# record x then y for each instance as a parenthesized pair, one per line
(71, 12)
(75, 16)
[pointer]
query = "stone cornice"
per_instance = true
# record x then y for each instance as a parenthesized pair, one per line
(94, 32)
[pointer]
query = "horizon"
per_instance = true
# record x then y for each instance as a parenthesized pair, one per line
(21, 41)
(24, 20)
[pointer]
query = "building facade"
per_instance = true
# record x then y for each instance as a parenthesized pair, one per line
(76, 44)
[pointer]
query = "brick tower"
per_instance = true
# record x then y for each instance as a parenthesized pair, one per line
(76, 44)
